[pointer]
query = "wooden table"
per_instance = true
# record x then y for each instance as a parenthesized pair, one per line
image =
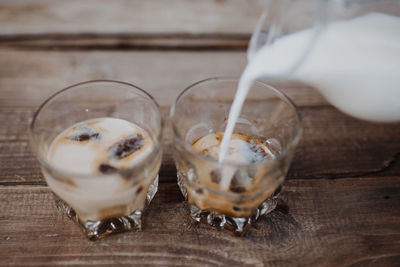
(340, 204)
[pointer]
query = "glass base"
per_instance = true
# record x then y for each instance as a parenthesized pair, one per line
(221, 221)
(98, 229)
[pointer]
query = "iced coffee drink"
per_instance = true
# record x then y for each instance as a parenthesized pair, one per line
(233, 193)
(230, 178)
(105, 147)
(99, 145)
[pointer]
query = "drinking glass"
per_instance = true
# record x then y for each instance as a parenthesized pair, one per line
(268, 116)
(101, 204)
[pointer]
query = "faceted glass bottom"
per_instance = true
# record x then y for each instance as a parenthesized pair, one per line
(98, 229)
(237, 225)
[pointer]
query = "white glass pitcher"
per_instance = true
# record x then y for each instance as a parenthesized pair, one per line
(349, 50)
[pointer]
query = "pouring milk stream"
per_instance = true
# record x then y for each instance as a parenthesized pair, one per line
(355, 64)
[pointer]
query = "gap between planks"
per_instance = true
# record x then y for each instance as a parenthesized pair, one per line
(90, 41)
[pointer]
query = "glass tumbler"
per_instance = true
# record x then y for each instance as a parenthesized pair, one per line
(101, 203)
(268, 117)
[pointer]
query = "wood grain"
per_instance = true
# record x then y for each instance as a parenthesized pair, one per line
(333, 144)
(339, 206)
(162, 74)
(35, 75)
(137, 17)
(346, 221)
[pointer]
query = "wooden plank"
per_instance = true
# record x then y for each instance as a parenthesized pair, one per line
(29, 17)
(35, 75)
(123, 24)
(317, 222)
(333, 144)
(151, 24)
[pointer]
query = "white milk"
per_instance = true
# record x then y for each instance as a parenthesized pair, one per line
(99, 196)
(355, 64)
(242, 150)
(86, 156)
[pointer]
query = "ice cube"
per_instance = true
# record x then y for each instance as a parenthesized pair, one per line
(106, 168)
(126, 146)
(84, 133)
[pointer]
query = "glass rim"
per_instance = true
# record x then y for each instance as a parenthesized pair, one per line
(45, 163)
(195, 153)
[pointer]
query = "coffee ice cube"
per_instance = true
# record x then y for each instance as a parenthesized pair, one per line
(259, 154)
(106, 168)
(84, 133)
(126, 146)
(215, 176)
